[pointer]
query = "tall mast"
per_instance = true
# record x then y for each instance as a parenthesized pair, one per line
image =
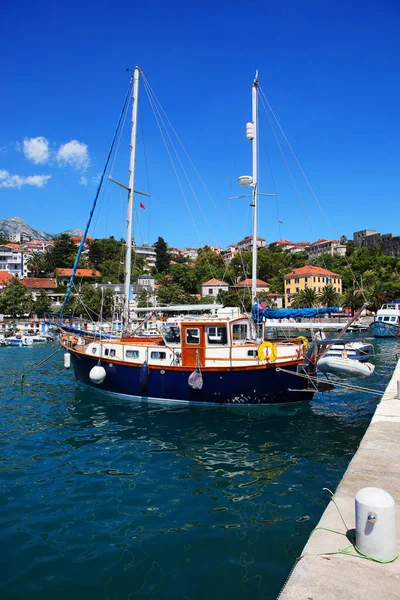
(255, 187)
(129, 216)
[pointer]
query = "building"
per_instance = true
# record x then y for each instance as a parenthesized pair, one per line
(276, 299)
(312, 277)
(247, 243)
(261, 286)
(332, 247)
(36, 285)
(213, 286)
(12, 260)
(147, 253)
(63, 275)
(191, 253)
(21, 236)
(281, 244)
(369, 238)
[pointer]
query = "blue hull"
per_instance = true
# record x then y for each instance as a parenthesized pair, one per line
(259, 386)
(380, 329)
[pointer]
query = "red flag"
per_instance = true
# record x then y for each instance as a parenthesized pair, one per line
(142, 205)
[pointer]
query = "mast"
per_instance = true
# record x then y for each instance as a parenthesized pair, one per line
(255, 188)
(129, 216)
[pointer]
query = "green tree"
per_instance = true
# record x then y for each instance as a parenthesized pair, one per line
(185, 277)
(37, 265)
(306, 298)
(377, 294)
(144, 298)
(172, 293)
(15, 299)
(91, 301)
(42, 304)
(106, 249)
(329, 296)
(162, 255)
(62, 254)
(351, 300)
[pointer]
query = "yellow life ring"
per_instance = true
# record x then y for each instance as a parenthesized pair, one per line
(303, 340)
(263, 353)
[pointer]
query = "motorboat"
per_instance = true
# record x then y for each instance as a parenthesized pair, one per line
(19, 340)
(360, 351)
(387, 323)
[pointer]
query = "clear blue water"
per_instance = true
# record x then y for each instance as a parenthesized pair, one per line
(104, 498)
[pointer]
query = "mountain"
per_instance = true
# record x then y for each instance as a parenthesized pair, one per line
(18, 225)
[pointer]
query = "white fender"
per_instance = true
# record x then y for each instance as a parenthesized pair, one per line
(97, 374)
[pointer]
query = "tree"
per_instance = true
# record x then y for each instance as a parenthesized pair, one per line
(329, 296)
(306, 298)
(162, 255)
(42, 304)
(16, 300)
(144, 298)
(185, 277)
(172, 293)
(62, 254)
(377, 295)
(37, 265)
(92, 302)
(352, 300)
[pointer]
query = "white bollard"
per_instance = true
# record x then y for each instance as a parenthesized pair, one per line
(376, 523)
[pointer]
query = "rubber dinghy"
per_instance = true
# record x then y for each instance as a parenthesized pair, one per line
(345, 366)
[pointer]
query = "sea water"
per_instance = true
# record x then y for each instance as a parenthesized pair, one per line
(104, 498)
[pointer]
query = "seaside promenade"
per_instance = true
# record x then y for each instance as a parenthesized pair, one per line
(319, 575)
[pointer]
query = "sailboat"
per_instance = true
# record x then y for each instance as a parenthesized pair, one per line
(218, 358)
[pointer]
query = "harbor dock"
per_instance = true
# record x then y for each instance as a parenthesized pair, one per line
(321, 573)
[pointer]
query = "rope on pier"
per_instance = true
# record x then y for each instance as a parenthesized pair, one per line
(356, 388)
(21, 377)
(352, 539)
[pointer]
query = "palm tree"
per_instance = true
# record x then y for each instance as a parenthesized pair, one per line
(329, 296)
(377, 295)
(306, 298)
(352, 300)
(37, 264)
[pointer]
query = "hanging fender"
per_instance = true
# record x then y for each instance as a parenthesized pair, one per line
(263, 353)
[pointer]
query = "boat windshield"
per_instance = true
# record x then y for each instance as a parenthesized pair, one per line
(171, 334)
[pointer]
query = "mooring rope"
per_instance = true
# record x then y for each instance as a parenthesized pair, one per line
(21, 377)
(348, 386)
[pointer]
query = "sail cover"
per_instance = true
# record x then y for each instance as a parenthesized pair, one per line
(290, 313)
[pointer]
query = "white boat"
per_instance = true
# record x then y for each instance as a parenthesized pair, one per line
(387, 323)
(19, 340)
(339, 365)
(360, 351)
(38, 338)
(220, 358)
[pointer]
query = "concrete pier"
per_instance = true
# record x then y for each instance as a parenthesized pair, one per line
(319, 576)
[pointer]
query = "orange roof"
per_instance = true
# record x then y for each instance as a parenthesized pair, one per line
(311, 270)
(79, 272)
(324, 241)
(248, 283)
(214, 281)
(14, 246)
(39, 283)
(4, 277)
(77, 238)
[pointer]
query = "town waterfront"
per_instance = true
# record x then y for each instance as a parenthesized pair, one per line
(116, 500)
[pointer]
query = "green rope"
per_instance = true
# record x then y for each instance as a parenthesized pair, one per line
(353, 545)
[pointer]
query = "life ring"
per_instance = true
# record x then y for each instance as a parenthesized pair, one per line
(264, 355)
(303, 340)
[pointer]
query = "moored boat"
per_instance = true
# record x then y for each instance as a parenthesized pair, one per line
(339, 365)
(387, 323)
(218, 358)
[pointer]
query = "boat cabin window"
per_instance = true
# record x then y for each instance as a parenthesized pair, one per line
(106, 351)
(94, 350)
(252, 353)
(132, 354)
(112, 353)
(217, 335)
(239, 331)
(386, 318)
(379, 318)
(171, 334)
(193, 336)
(393, 319)
(158, 355)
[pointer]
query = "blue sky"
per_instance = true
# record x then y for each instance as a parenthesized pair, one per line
(329, 70)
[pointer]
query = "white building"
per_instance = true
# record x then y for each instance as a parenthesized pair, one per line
(12, 260)
(213, 286)
(247, 243)
(332, 247)
(148, 253)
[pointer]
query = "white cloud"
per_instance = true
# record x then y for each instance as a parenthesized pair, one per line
(17, 181)
(36, 150)
(75, 154)
(83, 180)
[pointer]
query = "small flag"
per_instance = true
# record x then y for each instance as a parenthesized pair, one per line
(142, 205)
(281, 222)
